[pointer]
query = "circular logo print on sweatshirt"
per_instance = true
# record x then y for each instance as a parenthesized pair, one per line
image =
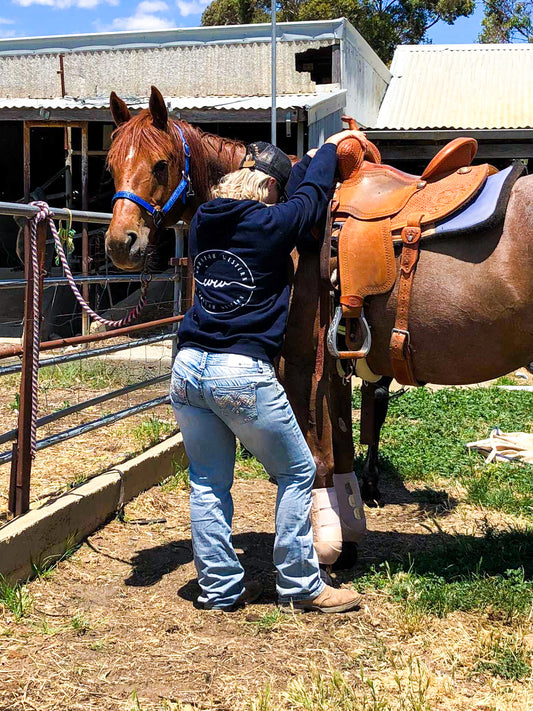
(224, 282)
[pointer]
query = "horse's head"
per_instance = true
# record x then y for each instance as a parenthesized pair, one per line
(147, 160)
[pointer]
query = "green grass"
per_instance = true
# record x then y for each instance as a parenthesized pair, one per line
(332, 691)
(152, 430)
(93, 374)
(270, 619)
(80, 623)
(424, 439)
(44, 567)
(179, 480)
(263, 701)
(247, 467)
(493, 574)
(14, 405)
(16, 598)
(506, 657)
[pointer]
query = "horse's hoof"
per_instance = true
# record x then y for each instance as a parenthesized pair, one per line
(348, 557)
(371, 495)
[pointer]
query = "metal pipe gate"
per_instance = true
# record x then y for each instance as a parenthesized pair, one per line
(20, 454)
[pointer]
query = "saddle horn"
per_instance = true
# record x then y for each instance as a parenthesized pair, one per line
(351, 154)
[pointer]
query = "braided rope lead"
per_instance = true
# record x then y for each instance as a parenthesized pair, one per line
(45, 214)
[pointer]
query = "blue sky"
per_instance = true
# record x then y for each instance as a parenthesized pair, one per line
(23, 18)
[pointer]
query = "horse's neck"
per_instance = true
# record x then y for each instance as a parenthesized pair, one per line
(217, 157)
(222, 155)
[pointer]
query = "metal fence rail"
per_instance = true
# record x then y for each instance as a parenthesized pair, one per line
(20, 455)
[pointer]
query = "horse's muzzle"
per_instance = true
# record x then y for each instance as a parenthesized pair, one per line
(126, 251)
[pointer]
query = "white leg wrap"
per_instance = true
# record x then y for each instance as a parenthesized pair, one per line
(327, 533)
(350, 507)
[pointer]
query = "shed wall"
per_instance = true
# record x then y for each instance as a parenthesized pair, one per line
(190, 70)
(325, 127)
(364, 76)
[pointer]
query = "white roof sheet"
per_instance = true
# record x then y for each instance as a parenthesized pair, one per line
(483, 86)
(228, 103)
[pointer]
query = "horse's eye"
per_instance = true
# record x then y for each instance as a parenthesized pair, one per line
(160, 167)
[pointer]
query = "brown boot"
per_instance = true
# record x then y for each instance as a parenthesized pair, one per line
(329, 600)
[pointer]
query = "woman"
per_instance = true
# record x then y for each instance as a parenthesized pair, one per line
(223, 381)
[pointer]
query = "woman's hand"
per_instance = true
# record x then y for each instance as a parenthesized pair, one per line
(342, 135)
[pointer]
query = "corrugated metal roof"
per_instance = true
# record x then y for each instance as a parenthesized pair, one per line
(483, 86)
(260, 32)
(228, 103)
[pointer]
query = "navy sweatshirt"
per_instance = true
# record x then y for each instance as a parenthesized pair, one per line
(240, 251)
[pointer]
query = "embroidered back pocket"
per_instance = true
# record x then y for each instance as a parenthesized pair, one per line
(178, 390)
(240, 400)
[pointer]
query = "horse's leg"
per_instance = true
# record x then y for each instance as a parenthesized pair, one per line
(374, 406)
(321, 401)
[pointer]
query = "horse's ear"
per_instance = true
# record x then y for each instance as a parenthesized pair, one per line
(120, 111)
(158, 109)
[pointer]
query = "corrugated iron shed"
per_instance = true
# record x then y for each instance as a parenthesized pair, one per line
(192, 64)
(484, 86)
(223, 103)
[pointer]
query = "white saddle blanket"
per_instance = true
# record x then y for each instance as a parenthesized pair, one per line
(506, 446)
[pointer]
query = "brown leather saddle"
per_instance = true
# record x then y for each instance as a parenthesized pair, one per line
(377, 206)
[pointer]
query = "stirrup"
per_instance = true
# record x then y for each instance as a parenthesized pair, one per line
(332, 337)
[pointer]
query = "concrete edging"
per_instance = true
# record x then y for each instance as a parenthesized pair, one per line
(46, 533)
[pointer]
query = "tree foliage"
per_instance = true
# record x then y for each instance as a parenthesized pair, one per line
(507, 20)
(384, 24)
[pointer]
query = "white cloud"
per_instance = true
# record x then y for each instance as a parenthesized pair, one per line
(65, 4)
(151, 6)
(191, 7)
(4, 32)
(145, 17)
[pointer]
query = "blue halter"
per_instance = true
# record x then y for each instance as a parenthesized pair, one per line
(183, 190)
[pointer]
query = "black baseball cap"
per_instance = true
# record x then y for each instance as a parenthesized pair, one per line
(269, 159)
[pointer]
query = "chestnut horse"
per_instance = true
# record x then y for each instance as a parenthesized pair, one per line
(471, 314)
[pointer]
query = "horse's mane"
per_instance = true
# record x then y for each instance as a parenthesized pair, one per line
(211, 156)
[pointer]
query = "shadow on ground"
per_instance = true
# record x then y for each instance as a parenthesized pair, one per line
(393, 490)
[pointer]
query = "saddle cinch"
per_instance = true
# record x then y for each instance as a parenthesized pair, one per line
(376, 207)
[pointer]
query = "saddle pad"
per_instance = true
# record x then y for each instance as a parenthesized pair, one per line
(488, 207)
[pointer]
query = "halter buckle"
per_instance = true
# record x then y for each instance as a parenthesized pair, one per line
(158, 216)
(190, 190)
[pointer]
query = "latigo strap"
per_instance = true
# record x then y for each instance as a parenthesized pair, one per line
(401, 353)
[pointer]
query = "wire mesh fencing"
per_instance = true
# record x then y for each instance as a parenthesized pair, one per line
(101, 397)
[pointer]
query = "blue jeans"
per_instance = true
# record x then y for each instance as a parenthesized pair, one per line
(217, 397)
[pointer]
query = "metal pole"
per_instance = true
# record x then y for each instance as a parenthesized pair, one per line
(18, 209)
(27, 179)
(178, 284)
(19, 487)
(14, 350)
(86, 323)
(67, 411)
(273, 73)
(92, 279)
(89, 353)
(94, 425)
(68, 167)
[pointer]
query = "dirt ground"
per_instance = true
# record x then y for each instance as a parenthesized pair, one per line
(115, 628)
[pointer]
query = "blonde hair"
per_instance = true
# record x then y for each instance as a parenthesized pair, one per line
(243, 184)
